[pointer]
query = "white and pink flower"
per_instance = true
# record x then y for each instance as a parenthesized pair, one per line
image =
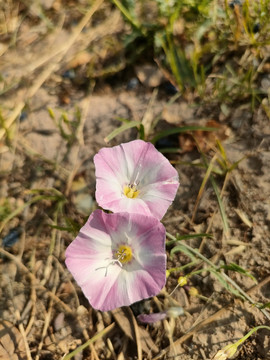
(135, 177)
(118, 259)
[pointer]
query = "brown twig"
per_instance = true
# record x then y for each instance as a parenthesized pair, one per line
(209, 320)
(36, 281)
(52, 66)
(47, 317)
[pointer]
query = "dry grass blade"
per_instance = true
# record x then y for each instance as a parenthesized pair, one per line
(47, 317)
(243, 217)
(205, 179)
(36, 281)
(11, 342)
(137, 334)
(89, 342)
(24, 336)
(209, 320)
(124, 319)
(55, 64)
(148, 118)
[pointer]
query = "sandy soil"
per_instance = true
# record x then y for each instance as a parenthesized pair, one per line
(43, 312)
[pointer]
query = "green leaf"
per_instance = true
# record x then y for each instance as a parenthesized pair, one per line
(89, 342)
(226, 284)
(122, 128)
(141, 132)
(265, 306)
(221, 206)
(239, 269)
(184, 250)
(187, 237)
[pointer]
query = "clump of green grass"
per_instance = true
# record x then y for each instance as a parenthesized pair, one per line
(212, 48)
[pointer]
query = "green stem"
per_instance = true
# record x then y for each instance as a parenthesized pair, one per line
(125, 12)
(89, 342)
(225, 277)
(181, 268)
(244, 338)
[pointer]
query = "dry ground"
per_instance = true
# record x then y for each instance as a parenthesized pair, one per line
(47, 179)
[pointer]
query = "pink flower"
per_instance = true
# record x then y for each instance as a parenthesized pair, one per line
(152, 318)
(118, 259)
(172, 312)
(136, 178)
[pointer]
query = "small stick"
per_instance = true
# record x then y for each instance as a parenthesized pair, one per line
(36, 281)
(59, 53)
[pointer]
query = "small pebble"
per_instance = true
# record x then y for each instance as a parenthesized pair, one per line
(132, 84)
(12, 237)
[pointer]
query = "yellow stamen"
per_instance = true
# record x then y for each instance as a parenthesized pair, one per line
(130, 191)
(124, 254)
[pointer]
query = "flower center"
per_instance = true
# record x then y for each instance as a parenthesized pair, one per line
(130, 191)
(124, 254)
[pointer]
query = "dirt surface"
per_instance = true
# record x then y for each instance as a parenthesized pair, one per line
(43, 312)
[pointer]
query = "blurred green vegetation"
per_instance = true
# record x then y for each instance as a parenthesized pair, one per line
(214, 49)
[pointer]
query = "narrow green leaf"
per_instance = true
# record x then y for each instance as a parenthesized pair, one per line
(88, 342)
(122, 128)
(123, 120)
(226, 285)
(235, 164)
(265, 306)
(205, 179)
(187, 237)
(239, 269)
(141, 132)
(220, 203)
(127, 14)
(222, 150)
(51, 113)
(184, 250)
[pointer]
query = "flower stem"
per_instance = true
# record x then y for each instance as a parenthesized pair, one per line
(88, 342)
(225, 277)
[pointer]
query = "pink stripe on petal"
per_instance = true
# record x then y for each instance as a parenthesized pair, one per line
(159, 171)
(146, 286)
(158, 209)
(158, 197)
(125, 204)
(132, 286)
(116, 164)
(162, 190)
(102, 291)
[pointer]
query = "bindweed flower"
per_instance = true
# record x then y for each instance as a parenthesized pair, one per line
(226, 353)
(135, 177)
(118, 259)
(154, 317)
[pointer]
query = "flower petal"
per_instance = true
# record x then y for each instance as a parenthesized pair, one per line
(152, 318)
(137, 163)
(105, 281)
